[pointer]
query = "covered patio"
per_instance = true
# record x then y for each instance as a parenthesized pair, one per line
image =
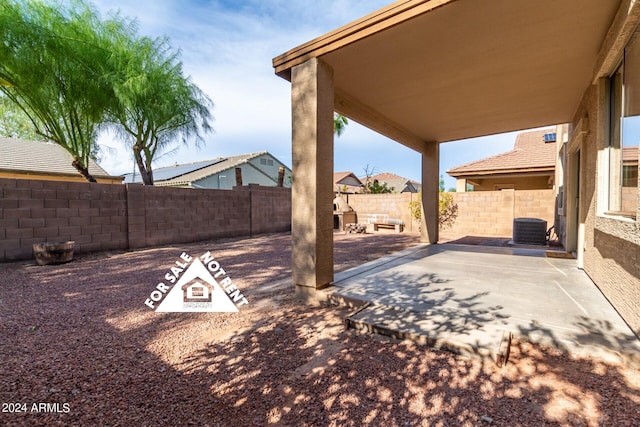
(470, 299)
(424, 72)
(427, 72)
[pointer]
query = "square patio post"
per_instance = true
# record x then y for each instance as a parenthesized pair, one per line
(312, 97)
(430, 192)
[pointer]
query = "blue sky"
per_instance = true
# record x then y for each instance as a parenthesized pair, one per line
(227, 48)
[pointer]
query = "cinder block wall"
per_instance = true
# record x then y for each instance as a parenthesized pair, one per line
(31, 211)
(270, 208)
(108, 217)
(395, 205)
(480, 213)
(178, 215)
(491, 213)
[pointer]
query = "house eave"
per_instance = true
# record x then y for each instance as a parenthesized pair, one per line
(502, 172)
(380, 20)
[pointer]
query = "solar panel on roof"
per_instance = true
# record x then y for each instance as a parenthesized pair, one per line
(550, 137)
(170, 172)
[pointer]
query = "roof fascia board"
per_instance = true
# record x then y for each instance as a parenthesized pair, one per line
(59, 174)
(348, 106)
(503, 173)
(624, 24)
(380, 20)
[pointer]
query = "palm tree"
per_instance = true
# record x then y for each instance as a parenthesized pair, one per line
(340, 123)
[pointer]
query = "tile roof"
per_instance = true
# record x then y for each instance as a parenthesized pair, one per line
(218, 165)
(529, 152)
(396, 182)
(21, 155)
(170, 172)
(346, 179)
(385, 177)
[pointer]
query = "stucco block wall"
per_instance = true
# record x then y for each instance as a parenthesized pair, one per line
(111, 217)
(175, 215)
(270, 208)
(33, 211)
(482, 213)
(528, 183)
(396, 206)
(491, 213)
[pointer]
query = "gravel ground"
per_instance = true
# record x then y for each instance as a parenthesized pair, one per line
(79, 338)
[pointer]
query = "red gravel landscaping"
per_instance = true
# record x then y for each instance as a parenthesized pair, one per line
(79, 348)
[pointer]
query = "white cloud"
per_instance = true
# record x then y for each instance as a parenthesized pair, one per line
(227, 48)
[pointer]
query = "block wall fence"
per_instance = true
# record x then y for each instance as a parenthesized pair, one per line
(102, 217)
(120, 217)
(491, 213)
(480, 213)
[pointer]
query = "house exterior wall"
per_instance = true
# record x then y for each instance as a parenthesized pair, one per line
(271, 170)
(611, 254)
(226, 180)
(610, 244)
(517, 183)
(118, 217)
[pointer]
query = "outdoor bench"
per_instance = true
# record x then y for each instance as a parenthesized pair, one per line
(396, 224)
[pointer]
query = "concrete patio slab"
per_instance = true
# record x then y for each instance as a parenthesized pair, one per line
(465, 297)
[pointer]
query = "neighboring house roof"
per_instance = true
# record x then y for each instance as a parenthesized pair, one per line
(348, 180)
(398, 183)
(170, 172)
(530, 154)
(630, 155)
(188, 173)
(31, 157)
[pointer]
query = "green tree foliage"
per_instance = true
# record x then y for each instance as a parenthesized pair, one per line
(340, 123)
(374, 187)
(447, 209)
(155, 105)
(50, 63)
(72, 73)
(14, 123)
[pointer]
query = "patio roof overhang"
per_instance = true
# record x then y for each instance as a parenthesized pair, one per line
(440, 70)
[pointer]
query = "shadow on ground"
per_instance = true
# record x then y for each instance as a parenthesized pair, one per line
(80, 334)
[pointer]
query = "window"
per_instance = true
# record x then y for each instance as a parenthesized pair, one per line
(624, 132)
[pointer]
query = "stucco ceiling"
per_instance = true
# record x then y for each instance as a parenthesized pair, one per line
(454, 69)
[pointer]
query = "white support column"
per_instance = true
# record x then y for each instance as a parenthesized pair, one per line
(430, 192)
(312, 96)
